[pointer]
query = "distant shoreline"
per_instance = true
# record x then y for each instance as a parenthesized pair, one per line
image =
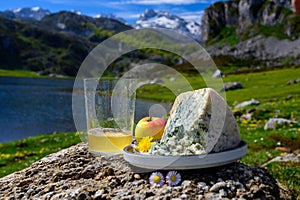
(28, 74)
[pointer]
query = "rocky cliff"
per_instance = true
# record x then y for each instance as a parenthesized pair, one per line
(252, 32)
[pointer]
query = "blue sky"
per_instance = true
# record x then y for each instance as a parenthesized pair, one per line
(126, 9)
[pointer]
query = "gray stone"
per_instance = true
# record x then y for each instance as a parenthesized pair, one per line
(172, 79)
(246, 116)
(291, 157)
(247, 103)
(273, 122)
(217, 74)
(200, 122)
(291, 82)
(231, 86)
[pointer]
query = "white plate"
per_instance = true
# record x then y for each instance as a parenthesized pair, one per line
(185, 162)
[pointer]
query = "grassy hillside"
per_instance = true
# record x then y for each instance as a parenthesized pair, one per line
(264, 86)
(278, 99)
(42, 46)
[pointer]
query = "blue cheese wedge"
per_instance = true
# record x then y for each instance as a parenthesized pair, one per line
(200, 122)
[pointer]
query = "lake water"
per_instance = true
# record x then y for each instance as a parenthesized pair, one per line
(32, 106)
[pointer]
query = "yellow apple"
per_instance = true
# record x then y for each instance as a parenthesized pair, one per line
(150, 127)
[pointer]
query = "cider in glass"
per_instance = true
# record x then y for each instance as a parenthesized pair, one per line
(108, 140)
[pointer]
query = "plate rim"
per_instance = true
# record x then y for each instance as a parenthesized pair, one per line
(234, 155)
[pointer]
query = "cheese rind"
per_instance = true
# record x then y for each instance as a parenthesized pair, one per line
(200, 122)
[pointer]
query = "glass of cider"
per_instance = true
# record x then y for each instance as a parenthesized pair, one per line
(109, 105)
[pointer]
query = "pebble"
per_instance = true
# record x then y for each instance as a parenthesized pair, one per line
(216, 187)
(59, 176)
(184, 196)
(98, 193)
(137, 176)
(185, 184)
(201, 185)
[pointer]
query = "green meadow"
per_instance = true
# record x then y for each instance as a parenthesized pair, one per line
(277, 99)
(25, 74)
(18, 73)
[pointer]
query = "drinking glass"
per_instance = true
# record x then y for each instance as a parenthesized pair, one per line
(110, 107)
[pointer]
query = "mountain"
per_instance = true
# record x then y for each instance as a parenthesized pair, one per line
(111, 16)
(153, 19)
(35, 13)
(260, 33)
(29, 47)
(58, 43)
(94, 29)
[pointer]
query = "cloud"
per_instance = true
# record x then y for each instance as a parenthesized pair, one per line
(133, 16)
(196, 16)
(85, 3)
(128, 15)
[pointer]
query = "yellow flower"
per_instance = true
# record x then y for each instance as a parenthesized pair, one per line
(42, 150)
(144, 144)
(19, 154)
(292, 115)
(4, 155)
(253, 125)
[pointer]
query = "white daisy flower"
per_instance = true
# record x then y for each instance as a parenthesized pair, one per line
(173, 178)
(156, 179)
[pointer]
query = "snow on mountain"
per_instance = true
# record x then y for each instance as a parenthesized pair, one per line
(35, 9)
(35, 13)
(16, 10)
(153, 19)
(77, 12)
(111, 16)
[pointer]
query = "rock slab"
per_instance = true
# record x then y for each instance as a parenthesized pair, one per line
(74, 173)
(273, 122)
(247, 103)
(232, 86)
